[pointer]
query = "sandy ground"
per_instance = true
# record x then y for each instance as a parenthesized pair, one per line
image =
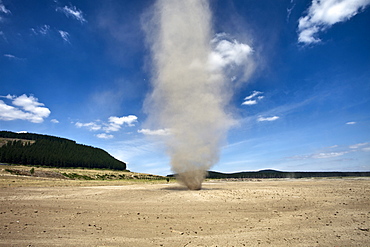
(301, 212)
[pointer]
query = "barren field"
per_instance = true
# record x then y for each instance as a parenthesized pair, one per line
(295, 212)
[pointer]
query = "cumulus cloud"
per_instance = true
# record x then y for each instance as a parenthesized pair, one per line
(114, 124)
(253, 98)
(24, 108)
(54, 121)
(158, 132)
(64, 35)
(269, 119)
(72, 12)
(231, 56)
(322, 14)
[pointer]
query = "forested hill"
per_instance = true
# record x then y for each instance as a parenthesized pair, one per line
(44, 150)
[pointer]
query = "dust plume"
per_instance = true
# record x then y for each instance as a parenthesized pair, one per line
(189, 97)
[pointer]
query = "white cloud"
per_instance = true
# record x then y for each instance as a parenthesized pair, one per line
(9, 56)
(73, 12)
(249, 99)
(158, 132)
(115, 123)
(12, 57)
(367, 149)
(289, 11)
(43, 30)
(254, 94)
(262, 119)
(3, 9)
(64, 35)
(24, 108)
(321, 155)
(322, 14)
(54, 121)
(327, 155)
(355, 146)
(351, 123)
(250, 102)
(90, 126)
(232, 57)
(104, 136)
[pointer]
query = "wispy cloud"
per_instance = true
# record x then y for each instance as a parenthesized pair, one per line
(338, 151)
(250, 102)
(12, 57)
(43, 30)
(158, 132)
(321, 155)
(54, 121)
(104, 136)
(23, 108)
(322, 14)
(269, 119)
(351, 123)
(64, 35)
(3, 9)
(358, 145)
(254, 94)
(253, 98)
(283, 110)
(327, 155)
(92, 126)
(289, 10)
(72, 12)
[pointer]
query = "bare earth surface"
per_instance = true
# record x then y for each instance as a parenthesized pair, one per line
(296, 212)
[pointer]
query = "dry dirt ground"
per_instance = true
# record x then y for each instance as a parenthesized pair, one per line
(286, 212)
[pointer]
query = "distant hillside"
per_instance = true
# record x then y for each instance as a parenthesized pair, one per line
(280, 174)
(44, 150)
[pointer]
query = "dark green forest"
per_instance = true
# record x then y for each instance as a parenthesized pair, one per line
(43, 150)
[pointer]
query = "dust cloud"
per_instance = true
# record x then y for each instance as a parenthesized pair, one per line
(189, 98)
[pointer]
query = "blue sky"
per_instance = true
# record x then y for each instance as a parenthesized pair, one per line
(299, 71)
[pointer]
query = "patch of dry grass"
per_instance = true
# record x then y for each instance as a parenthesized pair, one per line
(44, 177)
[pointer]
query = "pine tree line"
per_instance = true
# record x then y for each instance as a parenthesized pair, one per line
(55, 152)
